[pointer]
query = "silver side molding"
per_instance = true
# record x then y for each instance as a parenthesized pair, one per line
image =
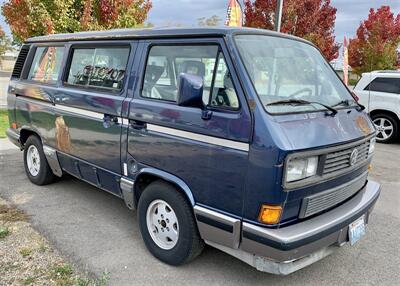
(79, 111)
(70, 109)
(218, 228)
(126, 186)
(52, 160)
(200, 137)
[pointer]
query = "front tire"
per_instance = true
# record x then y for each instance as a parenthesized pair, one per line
(36, 167)
(167, 224)
(387, 127)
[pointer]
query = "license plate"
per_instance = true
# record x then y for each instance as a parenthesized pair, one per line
(356, 230)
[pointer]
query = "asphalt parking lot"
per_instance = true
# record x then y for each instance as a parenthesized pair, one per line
(96, 232)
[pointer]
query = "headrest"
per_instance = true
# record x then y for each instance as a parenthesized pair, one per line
(228, 83)
(153, 74)
(194, 67)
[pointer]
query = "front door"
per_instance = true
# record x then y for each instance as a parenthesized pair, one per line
(208, 152)
(89, 106)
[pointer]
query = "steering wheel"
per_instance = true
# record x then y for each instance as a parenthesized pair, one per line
(297, 93)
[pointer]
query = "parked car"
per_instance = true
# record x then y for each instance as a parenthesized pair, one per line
(242, 139)
(379, 92)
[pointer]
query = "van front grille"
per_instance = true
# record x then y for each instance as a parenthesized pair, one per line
(340, 160)
(325, 200)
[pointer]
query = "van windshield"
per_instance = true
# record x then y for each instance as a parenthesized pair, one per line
(290, 76)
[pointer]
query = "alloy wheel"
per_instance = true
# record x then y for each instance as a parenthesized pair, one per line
(384, 128)
(162, 224)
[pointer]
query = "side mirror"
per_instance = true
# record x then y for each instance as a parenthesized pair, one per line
(190, 90)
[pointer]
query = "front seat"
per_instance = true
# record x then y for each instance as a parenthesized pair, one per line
(230, 91)
(226, 96)
(194, 68)
(153, 74)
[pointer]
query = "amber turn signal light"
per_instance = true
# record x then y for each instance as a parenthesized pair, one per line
(270, 214)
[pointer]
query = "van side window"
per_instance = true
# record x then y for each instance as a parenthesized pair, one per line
(46, 64)
(98, 67)
(223, 94)
(165, 63)
(384, 84)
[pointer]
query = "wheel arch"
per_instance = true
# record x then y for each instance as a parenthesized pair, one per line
(148, 175)
(385, 111)
(24, 134)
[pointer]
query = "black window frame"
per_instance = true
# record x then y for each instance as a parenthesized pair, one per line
(93, 45)
(396, 84)
(185, 42)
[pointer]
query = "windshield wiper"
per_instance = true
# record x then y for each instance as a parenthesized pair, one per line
(302, 102)
(347, 102)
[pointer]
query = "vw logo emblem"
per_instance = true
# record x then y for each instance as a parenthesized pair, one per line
(353, 157)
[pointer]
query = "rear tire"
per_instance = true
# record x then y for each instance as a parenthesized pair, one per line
(36, 167)
(387, 127)
(167, 224)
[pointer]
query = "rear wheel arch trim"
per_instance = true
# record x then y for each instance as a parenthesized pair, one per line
(162, 175)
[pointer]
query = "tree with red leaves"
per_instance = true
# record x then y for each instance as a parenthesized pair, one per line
(376, 43)
(29, 18)
(312, 20)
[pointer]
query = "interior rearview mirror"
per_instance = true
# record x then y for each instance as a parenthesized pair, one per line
(190, 90)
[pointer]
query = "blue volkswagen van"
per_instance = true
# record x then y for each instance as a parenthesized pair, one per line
(242, 139)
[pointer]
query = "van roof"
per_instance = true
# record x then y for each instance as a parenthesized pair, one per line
(154, 33)
(383, 73)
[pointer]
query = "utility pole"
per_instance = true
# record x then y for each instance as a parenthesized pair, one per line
(278, 15)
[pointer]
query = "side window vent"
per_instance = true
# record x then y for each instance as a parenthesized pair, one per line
(19, 64)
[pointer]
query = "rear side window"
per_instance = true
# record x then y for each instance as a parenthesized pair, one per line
(382, 84)
(46, 64)
(103, 68)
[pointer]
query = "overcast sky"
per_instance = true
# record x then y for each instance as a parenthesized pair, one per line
(348, 16)
(186, 12)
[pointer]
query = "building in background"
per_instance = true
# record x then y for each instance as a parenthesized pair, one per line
(7, 60)
(337, 65)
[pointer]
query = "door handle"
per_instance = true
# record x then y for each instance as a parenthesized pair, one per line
(138, 125)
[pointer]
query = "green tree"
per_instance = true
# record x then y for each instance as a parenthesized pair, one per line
(28, 18)
(5, 42)
(211, 21)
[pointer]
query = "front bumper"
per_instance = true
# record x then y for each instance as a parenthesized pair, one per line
(285, 250)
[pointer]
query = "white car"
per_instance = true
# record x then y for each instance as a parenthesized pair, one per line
(379, 92)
